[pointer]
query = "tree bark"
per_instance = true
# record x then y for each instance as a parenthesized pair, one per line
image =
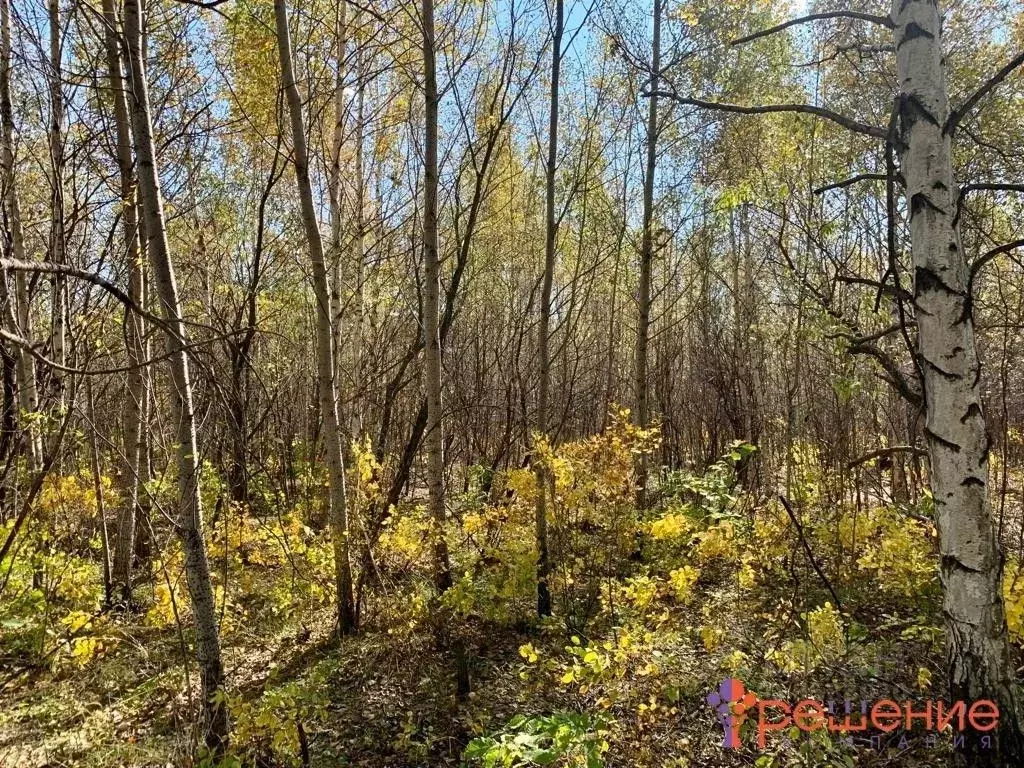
(432, 342)
(544, 326)
(337, 511)
(189, 524)
(958, 444)
(97, 488)
(643, 416)
(18, 314)
(335, 192)
(431, 309)
(124, 548)
(357, 276)
(57, 231)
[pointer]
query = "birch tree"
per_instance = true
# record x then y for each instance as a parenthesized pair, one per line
(325, 359)
(189, 522)
(921, 131)
(971, 563)
(137, 394)
(543, 327)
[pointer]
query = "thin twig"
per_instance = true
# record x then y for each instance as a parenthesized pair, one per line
(851, 181)
(810, 553)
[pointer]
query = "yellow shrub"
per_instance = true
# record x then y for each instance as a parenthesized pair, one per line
(718, 541)
(747, 575)
(897, 550)
(825, 630)
(826, 642)
(772, 536)
(671, 526)
(364, 474)
(682, 581)
(408, 536)
(523, 483)
(641, 591)
(1013, 596)
(75, 495)
(807, 475)
(711, 637)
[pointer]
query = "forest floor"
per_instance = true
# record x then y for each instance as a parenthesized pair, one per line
(388, 701)
(654, 610)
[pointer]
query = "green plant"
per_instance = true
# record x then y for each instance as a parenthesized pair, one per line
(708, 495)
(573, 739)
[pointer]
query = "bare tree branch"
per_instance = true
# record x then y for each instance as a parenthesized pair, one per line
(46, 267)
(990, 85)
(894, 374)
(884, 21)
(991, 188)
(880, 452)
(985, 258)
(851, 181)
(885, 288)
(32, 349)
(863, 49)
(869, 337)
(810, 553)
(826, 114)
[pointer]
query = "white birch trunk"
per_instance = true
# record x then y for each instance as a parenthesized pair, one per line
(958, 443)
(189, 524)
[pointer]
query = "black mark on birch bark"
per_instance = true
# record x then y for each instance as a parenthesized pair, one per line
(948, 444)
(926, 280)
(973, 410)
(947, 375)
(913, 32)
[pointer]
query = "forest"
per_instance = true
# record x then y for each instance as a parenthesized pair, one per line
(507, 383)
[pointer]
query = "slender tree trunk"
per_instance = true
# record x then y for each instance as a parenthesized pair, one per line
(124, 547)
(432, 340)
(19, 317)
(9, 416)
(238, 475)
(643, 415)
(57, 232)
(431, 310)
(189, 524)
(335, 192)
(544, 326)
(97, 487)
(971, 563)
(358, 254)
(337, 511)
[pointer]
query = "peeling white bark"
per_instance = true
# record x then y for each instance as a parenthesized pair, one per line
(958, 443)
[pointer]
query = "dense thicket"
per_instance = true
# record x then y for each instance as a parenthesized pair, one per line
(421, 382)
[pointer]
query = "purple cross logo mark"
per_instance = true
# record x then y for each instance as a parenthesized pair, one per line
(732, 701)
